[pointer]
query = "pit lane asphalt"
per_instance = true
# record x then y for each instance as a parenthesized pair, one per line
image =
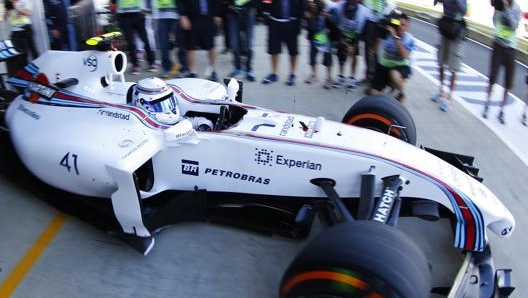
(203, 260)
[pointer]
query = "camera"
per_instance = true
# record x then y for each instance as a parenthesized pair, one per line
(393, 20)
(350, 9)
(498, 4)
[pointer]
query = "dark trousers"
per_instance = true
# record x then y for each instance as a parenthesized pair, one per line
(23, 41)
(241, 28)
(135, 22)
(369, 37)
(166, 28)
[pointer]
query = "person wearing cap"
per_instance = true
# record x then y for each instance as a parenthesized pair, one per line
(350, 17)
(378, 10)
(393, 65)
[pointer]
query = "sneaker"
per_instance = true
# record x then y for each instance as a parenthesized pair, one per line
(135, 70)
(191, 75)
(182, 74)
(485, 112)
(524, 121)
(311, 79)
(291, 80)
(437, 97)
(208, 71)
(339, 82)
(152, 68)
(236, 73)
(140, 55)
(271, 78)
(250, 76)
(328, 84)
(176, 69)
(351, 83)
(445, 106)
(501, 117)
(213, 77)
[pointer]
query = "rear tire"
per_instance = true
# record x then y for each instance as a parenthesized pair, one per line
(379, 113)
(358, 259)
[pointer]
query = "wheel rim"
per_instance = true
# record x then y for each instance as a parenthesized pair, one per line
(345, 283)
(375, 122)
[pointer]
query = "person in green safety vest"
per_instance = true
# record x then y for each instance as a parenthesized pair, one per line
(322, 34)
(241, 17)
(394, 52)
(350, 17)
(167, 24)
(378, 10)
(131, 18)
(450, 48)
(506, 19)
(18, 16)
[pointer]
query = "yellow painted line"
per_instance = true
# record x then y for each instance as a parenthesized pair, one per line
(8, 287)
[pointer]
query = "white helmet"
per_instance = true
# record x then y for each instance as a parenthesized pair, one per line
(158, 99)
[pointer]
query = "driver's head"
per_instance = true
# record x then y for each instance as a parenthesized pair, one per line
(155, 97)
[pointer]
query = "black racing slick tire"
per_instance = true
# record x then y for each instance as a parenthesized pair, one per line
(358, 259)
(6, 97)
(382, 113)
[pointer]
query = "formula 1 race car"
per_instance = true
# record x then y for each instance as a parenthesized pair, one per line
(87, 134)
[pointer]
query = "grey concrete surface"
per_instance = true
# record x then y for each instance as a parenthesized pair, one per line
(202, 260)
(481, 14)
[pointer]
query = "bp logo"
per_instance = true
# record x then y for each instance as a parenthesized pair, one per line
(264, 156)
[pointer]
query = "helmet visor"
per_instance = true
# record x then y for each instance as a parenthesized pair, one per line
(164, 104)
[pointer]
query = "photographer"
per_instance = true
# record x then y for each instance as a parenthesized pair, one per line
(506, 18)
(395, 46)
(452, 29)
(322, 34)
(378, 9)
(350, 17)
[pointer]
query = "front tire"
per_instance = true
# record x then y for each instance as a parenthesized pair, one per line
(6, 97)
(383, 114)
(358, 259)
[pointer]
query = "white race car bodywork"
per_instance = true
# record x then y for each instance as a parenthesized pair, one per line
(86, 139)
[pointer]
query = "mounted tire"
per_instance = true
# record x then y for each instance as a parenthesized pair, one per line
(381, 113)
(6, 97)
(358, 259)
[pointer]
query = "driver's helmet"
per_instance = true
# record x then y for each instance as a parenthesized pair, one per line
(158, 99)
